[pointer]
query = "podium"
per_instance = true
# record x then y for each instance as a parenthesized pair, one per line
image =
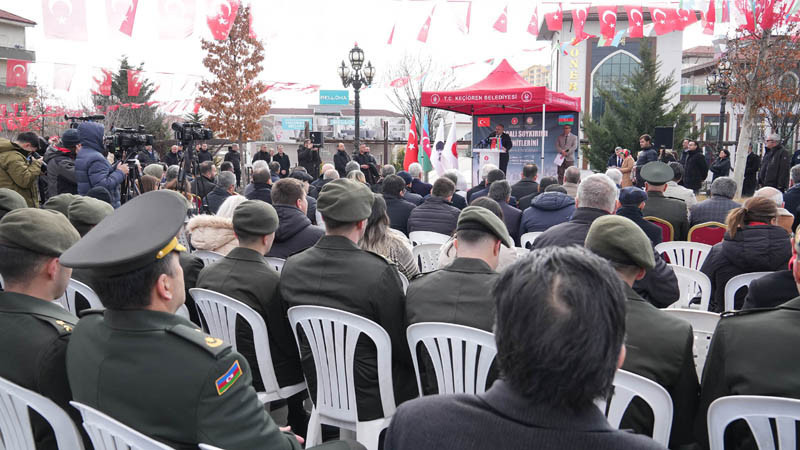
(487, 156)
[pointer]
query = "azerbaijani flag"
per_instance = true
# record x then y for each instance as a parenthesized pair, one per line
(567, 119)
(425, 154)
(227, 379)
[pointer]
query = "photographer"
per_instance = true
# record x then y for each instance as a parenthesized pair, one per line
(61, 164)
(20, 166)
(91, 166)
(308, 157)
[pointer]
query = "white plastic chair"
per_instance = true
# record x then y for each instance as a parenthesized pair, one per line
(108, 433)
(15, 426)
(208, 447)
(689, 282)
(528, 239)
(427, 237)
(332, 335)
(182, 238)
(461, 355)
(220, 312)
(685, 254)
(276, 263)
(736, 283)
(405, 282)
(756, 410)
(426, 256)
(68, 299)
(183, 311)
(2, 284)
(208, 257)
(320, 220)
(628, 385)
(703, 325)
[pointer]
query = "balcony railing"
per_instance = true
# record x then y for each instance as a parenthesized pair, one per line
(693, 90)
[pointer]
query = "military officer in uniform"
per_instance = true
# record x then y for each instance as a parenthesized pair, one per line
(659, 346)
(656, 174)
(145, 366)
(336, 273)
(244, 275)
(33, 329)
(753, 352)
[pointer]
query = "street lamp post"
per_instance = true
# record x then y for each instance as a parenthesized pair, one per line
(719, 81)
(358, 78)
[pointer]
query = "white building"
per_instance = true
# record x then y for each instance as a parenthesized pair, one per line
(12, 46)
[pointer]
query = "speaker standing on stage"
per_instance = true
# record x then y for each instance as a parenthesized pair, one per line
(566, 144)
(505, 145)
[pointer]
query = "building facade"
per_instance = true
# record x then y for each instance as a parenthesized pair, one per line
(537, 75)
(13, 46)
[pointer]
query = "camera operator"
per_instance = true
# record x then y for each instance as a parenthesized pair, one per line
(20, 166)
(235, 158)
(308, 157)
(173, 158)
(61, 164)
(147, 156)
(92, 169)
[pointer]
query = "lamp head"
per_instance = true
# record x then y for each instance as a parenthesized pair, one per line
(369, 72)
(356, 57)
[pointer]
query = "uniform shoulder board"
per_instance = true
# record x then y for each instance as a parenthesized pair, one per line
(62, 328)
(745, 312)
(212, 345)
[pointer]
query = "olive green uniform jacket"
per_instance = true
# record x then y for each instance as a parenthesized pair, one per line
(660, 348)
(159, 374)
(336, 273)
(753, 352)
(670, 209)
(17, 174)
(34, 334)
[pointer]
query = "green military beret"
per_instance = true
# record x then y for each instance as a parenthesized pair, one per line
(481, 219)
(10, 200)
(345, 200)
(657, 173)
(618, 239)
(60, 203)
(255, 217)
(154, 170)
(88, 211)
(41, 231)
(142, 232)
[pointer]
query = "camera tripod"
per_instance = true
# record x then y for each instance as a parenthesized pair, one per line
(132, 184)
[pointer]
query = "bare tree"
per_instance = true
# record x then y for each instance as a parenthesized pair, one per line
(412, 75)
(762, 53)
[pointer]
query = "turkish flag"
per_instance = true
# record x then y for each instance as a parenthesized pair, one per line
(686, 17)
(501, 24)
(426, 27)
(134, 83)
(533, 25)
(16, 73)
(554, 19)
(635, 21)
(391, 35)
(399, 82)
(710, 18)
(664, 20)
(608, 21)
(579, 18)
(175, 19)
(62, 76)
(412, 152)
(121, 15)
(103, 84)
(65, 19)
(484, 122)
(221, 15)
(251, 30)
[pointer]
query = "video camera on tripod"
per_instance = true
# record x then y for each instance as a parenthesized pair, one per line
(125, 143)
(186, 133)
(74, 121)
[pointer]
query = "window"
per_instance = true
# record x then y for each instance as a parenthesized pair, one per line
(614, 68)
(711, 124)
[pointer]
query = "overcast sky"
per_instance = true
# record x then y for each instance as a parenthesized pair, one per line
(305, 40)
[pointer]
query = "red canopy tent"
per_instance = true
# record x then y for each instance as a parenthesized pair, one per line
(503, 91)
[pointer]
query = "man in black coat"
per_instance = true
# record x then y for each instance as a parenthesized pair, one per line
(646, 155)
(282, 159)
(367, 164)
(436, 213)
(295, 232)
(525, 202)
(695, 170)
(409, 195)
(503, 143)
(147, 156)
(632, 201)
(203, 154)
(555, 364)
(226, 186)
(308, 157)
(340, 160)
(337, 273)
(397, 207)
(263, 154)
(771, 290)
(659, 285)
(244, 275)
(60, 162)
(204, 184)
(35, 330)
(774, 171)
(417, 185)
(750, 183)
(234, 157)
(527, 185)
(174, 156)
(260, 188)
(500, 191)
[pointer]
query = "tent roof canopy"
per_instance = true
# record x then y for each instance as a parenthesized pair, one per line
(503, 91)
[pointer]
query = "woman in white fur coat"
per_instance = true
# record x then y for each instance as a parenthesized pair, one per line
(215, 232)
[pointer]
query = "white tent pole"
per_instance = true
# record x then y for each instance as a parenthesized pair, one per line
(541, 164)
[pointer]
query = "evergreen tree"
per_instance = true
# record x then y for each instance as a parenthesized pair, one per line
(153, 121)
(636, 106)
